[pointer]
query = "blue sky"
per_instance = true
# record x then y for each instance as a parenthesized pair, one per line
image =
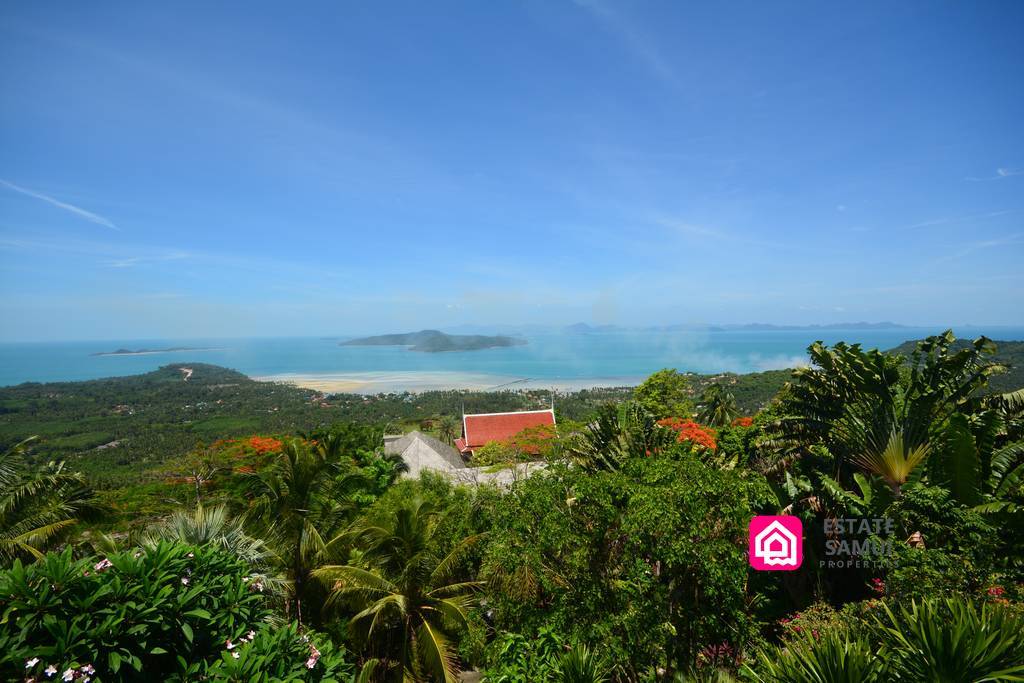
(199, 169)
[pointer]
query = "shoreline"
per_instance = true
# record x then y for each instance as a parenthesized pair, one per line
(416, 382)
(151, 352)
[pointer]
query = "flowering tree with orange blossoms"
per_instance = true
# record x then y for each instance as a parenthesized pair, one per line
(696, 434)
(743, 422)
(264, 444)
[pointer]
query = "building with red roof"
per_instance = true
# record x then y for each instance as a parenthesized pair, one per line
(483, 428)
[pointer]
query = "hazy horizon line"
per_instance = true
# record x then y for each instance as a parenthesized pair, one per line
(683, 327)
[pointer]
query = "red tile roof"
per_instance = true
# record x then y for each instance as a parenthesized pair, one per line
(487, 427)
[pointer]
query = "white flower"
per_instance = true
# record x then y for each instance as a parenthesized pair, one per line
(251, 635)
(184, 580)
(190, 555)
(69, 675)
(88, 669)
(229, 644)
(235, 655)
(50, 670)
(29, 663)
(103, 565)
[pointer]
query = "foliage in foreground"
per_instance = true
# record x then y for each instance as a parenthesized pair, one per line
(943, 640)
(548, 657)
(169, 612)
(647, 561)
(37, 505)
(406, 595)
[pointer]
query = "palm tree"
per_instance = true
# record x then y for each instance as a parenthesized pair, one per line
(448, 428)
(718, 407)
(36, 508)
(301, 503)
(404, 594)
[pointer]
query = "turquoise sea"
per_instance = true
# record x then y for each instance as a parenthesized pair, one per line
(618, 357)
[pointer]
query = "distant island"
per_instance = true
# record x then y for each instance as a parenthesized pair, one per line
(435, 341)
(832, 326)
(140, 352)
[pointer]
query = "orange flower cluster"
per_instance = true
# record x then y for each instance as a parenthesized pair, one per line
(743, 422)
(697, 434)
(264, 444)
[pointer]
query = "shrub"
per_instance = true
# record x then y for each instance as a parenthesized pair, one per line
(547, 657)
(648, 561)
(918, 573)
(282, 654)
(937, 640)
(581, 664)
(835, 657)
(160, 613)
(953, 640)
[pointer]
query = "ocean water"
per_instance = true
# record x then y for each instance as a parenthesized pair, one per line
(620, 357)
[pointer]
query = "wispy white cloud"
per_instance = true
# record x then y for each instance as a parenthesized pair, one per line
(958, 219)
(71, 208)
(999, 175)
(640, 44)
(971, 247)
(132, 261)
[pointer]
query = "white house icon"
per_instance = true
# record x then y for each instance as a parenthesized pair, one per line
(776, 545)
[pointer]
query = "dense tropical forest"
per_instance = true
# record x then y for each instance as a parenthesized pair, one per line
(210, 527)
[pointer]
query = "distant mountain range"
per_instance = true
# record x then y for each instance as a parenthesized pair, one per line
(585, 328)
(435, 341)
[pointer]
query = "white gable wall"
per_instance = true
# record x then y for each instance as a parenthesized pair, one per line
(420, 456)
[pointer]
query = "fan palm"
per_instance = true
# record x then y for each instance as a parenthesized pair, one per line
(718, 407)
(36, 508)
(406, 600)
(213, 526)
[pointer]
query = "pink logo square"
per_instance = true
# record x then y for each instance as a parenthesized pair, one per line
(776, 543)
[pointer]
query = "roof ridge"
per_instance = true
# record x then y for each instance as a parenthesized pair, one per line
(512, 412)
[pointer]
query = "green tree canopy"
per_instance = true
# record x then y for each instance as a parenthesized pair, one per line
(666, 393)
